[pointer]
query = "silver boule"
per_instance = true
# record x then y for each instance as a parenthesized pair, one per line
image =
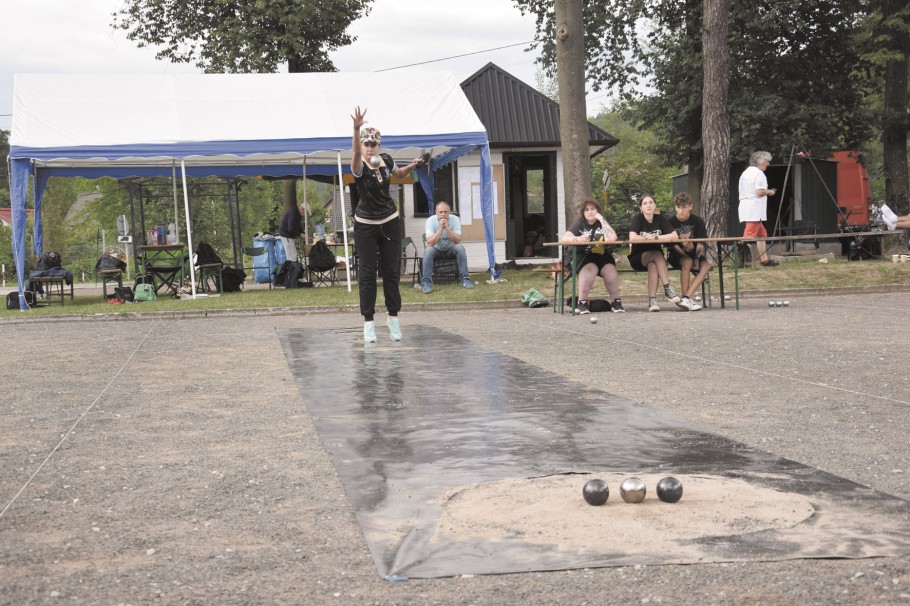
(375, 161)
(780, 303)
(786, 303)
(593, 319)
(632, 490)
(770, 303)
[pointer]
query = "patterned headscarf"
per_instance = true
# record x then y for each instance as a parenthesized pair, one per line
(370, 135)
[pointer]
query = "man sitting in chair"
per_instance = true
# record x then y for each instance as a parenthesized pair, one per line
(443, 233)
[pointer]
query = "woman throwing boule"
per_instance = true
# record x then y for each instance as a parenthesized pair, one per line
(377, 229)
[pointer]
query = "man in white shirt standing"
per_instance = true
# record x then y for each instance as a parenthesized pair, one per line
(753, 202)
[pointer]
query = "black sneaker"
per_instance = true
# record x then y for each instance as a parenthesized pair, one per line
(582, 308)
(617, 306)
(770, 263)
(670, 294)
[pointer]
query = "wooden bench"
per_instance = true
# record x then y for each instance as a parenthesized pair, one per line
(53, 286)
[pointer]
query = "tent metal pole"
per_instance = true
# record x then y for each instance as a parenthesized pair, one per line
(176, 212)
(344, 224)
(306, 209)
(189, 231)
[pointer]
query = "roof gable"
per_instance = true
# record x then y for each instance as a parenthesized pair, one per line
(517, 115)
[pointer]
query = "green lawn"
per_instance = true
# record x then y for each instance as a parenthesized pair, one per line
(808, 273)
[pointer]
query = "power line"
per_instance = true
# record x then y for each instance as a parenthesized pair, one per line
(388, 69)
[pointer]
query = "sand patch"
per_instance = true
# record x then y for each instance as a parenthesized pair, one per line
(551, 510)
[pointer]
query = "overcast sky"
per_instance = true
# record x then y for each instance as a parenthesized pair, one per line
(74, 36)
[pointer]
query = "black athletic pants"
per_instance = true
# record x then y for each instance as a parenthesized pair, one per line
(378, 244)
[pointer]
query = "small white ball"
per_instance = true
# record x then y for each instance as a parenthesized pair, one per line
(593, 319)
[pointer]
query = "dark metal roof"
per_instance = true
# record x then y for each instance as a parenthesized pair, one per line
(517, 115)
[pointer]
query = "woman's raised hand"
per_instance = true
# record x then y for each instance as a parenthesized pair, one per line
(359, 117)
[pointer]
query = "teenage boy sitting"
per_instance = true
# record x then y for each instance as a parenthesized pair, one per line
(688, 257)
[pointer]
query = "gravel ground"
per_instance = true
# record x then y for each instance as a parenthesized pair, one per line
(172, 461)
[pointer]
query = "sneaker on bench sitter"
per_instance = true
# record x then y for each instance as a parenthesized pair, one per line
(652, 304)
(670, 294)
(688, 304)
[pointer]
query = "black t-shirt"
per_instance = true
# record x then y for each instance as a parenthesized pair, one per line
(373, 188)
(595, 232)
(658, 226)
(693, 227)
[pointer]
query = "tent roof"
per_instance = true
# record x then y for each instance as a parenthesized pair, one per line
(74, 122)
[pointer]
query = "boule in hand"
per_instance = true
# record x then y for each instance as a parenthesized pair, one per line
(375, 162)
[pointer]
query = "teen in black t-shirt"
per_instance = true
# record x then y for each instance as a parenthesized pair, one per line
(688, 257)
(648, 231)
(597, 259)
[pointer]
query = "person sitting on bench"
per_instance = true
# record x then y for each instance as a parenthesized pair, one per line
(688, 257)
(647, 231)
(597, 259)
(892, 221)
(443, 231)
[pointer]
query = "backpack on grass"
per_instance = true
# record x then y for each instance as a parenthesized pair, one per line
(321, 258)
(12, 299)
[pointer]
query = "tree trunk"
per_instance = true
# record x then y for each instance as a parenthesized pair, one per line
(573, 120)
(896, 120)
(296, 65)
(715, 189)
(696, 174)
(696, 167)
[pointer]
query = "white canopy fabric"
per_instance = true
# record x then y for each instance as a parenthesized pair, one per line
(229, 125)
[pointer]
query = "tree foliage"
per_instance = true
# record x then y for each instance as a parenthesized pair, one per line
(634, 170)
(796, 71)
(243, 36)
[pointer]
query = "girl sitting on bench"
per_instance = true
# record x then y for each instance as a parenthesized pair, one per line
(647, 231)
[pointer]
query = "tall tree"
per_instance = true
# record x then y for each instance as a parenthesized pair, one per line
(895, 23)
(244, 36)
(573, 120)
(794, 74)
(715, 189)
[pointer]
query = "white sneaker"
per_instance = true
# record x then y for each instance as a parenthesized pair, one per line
(394, 329)
(369, 332)
(694, 306)
(685, 303)
(652, 304)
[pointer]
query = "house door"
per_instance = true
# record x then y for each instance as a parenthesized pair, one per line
(531, 210)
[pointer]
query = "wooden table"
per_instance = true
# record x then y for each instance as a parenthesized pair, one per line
(727, 248)
(53, 287)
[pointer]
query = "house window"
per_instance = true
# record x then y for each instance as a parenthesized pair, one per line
(443, 189)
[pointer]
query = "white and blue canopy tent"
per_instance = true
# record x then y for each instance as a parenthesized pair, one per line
(228, 125)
